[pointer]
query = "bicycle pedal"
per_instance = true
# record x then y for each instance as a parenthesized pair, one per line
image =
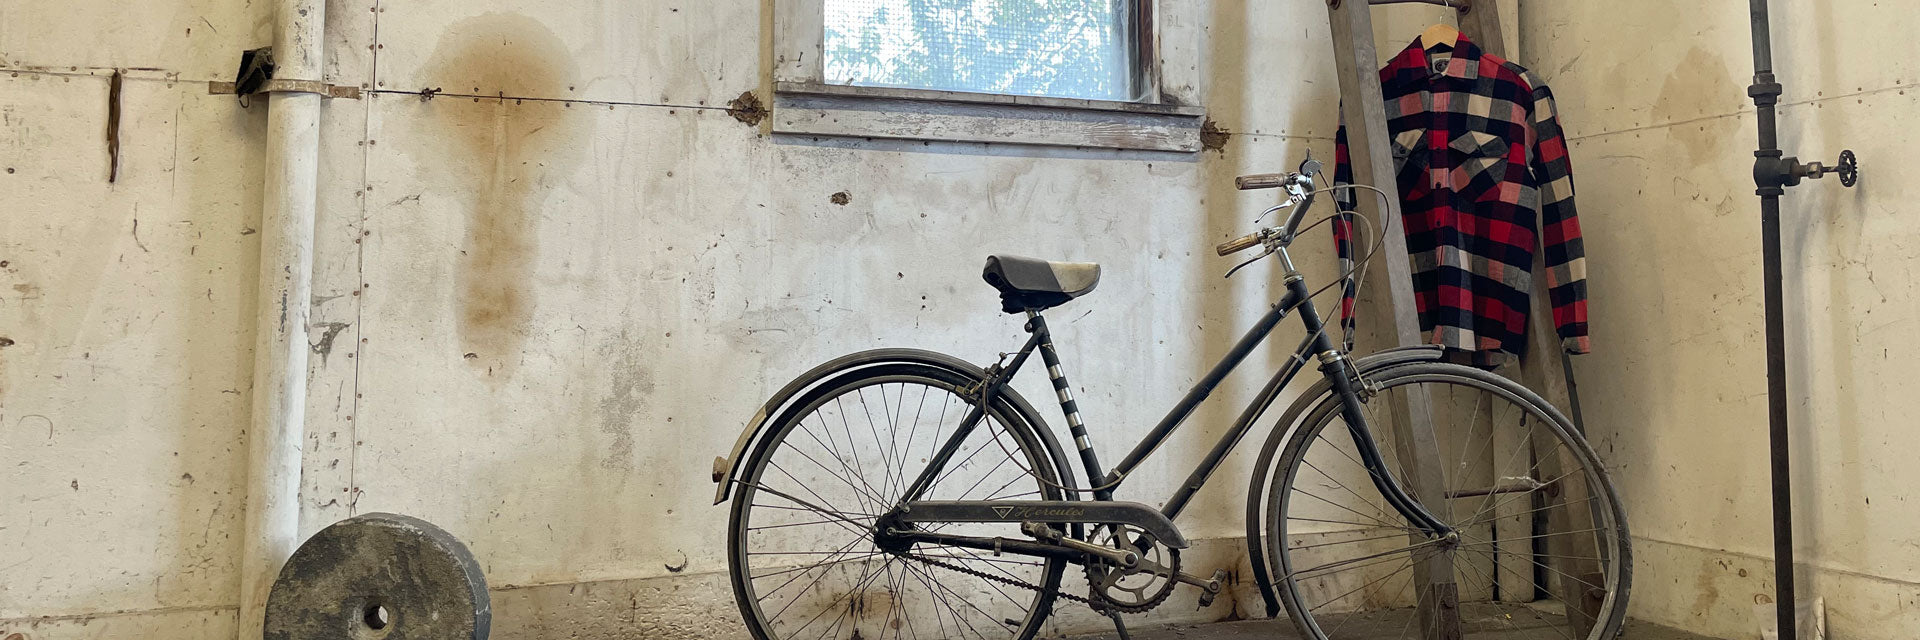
(1211, 590)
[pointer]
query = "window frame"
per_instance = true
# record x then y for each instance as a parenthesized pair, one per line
(1167, 117)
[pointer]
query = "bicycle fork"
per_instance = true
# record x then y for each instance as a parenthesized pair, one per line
(1338, 370)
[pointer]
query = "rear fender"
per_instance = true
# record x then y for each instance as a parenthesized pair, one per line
(725, 468)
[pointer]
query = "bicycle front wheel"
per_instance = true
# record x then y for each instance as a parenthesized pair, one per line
(1541, 549)
(805, 558)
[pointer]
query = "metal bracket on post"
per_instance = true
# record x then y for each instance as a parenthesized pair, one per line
(255, 77)
(281, 85)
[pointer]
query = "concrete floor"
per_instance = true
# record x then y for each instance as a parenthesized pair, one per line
(1391, 625)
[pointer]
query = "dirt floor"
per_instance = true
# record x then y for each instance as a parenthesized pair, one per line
(1393, 625)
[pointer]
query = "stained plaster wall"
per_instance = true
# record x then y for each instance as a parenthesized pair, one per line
(1661, 131)
(540, 312)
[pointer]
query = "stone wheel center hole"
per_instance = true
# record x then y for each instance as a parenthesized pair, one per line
(376, 616)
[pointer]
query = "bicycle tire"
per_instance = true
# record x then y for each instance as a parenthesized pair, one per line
(1024, 435)
(1610, 532)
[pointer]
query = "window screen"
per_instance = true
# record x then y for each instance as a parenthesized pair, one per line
(1064, 48)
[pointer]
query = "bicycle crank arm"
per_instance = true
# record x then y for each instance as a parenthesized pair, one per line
(1127, 560)
(1139, 515)
(1050, 535)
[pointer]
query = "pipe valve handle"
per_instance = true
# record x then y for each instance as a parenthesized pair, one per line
(1849, 168)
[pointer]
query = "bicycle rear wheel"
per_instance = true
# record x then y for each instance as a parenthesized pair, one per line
(1542, 550)
(805, 561)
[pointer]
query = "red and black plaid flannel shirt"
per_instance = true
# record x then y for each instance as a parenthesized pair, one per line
(1478, 152)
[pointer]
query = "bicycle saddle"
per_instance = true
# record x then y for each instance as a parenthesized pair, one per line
(1031, 284)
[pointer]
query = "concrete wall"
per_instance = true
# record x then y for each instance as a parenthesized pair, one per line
(536, 321)
(1653, 97)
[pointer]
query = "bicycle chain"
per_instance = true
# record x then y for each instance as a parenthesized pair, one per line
(1002, 580)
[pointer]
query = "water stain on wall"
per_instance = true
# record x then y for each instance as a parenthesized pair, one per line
(509, 155)
(1699, 85)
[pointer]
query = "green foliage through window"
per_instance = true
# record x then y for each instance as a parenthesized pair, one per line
(1064, 48)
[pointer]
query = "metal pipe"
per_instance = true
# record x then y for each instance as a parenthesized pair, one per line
(1766, 92)
(286, 284)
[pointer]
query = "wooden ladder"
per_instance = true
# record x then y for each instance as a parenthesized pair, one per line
(1544, 368)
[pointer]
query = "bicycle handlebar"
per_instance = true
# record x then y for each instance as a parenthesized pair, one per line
(1261, 181)
(1239, 244)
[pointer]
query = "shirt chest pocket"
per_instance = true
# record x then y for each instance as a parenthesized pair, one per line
(1480, 153)
(1409, 149)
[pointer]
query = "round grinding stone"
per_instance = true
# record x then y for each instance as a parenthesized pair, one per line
(380, 576)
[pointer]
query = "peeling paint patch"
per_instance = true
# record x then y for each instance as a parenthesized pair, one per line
(747, 108)
(1214, 138)
(329, 331)
(625, 402)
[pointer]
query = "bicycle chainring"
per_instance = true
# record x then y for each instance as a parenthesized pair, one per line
(1142, 587)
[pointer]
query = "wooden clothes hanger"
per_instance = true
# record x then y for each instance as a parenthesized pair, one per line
(1441, 33)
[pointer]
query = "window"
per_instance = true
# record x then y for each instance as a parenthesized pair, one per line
(1104, 74)
(1062, 48)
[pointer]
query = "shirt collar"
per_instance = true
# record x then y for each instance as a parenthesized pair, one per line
(1414, 64)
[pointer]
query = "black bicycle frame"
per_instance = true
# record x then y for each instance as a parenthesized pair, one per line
(1317, 344)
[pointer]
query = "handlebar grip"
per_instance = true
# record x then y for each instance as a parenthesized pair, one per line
(1239, 244)
(1260, 181)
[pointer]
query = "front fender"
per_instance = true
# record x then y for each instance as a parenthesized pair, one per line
(1262, 466)
(725, 468)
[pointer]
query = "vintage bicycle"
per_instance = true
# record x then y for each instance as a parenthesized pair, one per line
(911, 494)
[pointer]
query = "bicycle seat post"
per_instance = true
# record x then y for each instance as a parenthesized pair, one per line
(1037, 325)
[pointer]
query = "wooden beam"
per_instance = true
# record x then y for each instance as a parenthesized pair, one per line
(1412, 413)
(1481, 24)
(1545, 372)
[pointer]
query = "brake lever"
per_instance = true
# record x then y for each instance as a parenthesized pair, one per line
(1263, 215)
(1263, 254)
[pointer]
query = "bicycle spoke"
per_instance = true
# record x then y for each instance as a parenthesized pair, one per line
(1342, 507)
(1529, 511)
(880, 502)
(782, 572)
(871, 501)
(836, 602)
(791, 525)
(1343, 486)
(808, 510)
(1509, 499)
(1357, 524)
(1524, 445)
(1328, 544)
(1408, 564)
(828, 562)
(1549, 535)
(922, 577)
(958, 618)
(886, 474)
(906, 451)
(831, 510)
(847, 429)
(1351, 561)
(807, 558)
(969, 603)
(1485, 437)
